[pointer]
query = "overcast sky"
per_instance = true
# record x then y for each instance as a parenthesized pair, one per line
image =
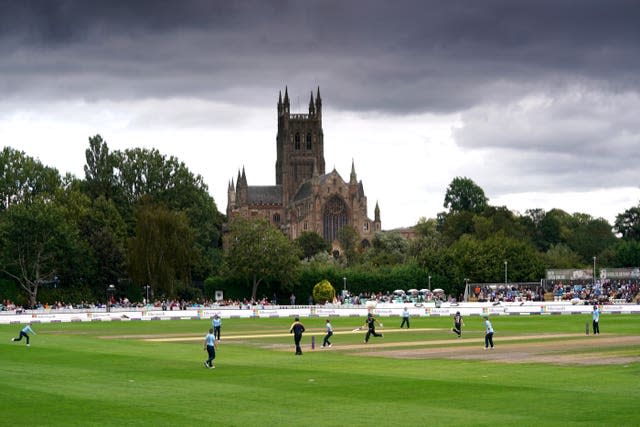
(537, 102)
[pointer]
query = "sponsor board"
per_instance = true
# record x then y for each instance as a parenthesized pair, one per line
(438, 311)
(466, 309)
(326, 312)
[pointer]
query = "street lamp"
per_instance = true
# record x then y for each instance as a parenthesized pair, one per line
(344, 279)
(505, 271)
(111, 288)
(429, 282)
(146, 287)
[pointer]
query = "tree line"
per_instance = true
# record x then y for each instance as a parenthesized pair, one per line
(138, 218)
(142, 222)
(470, 241)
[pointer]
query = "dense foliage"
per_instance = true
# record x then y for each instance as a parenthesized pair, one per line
(258, 252)
(143, 222)
(137, 219)
(323, 292)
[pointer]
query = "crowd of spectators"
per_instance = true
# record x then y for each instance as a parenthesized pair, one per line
(7, 305)
(602, 291)
(175, 304)
(576, 291)
(507, 293)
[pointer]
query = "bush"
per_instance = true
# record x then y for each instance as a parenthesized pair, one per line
(211, 285)
(188, 293)
(323, 292)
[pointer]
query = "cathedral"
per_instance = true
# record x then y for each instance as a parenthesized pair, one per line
(305, 198)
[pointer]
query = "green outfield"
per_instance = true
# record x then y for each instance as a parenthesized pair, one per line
(543, 371)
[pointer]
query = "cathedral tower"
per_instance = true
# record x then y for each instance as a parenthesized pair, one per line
(299, 145)
(305, 198)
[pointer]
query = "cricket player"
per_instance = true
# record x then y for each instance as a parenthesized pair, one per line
(329, 329)
(297, 329)
(216, 323)
(25, 333)
(210, 346)
(596, 320)
(457, 324)
(405, 318)
(488, 333)
(371, 327)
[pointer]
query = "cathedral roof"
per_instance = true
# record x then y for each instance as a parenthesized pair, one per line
(306, 188)
(304, 191)
(264, 194)
(323, 178)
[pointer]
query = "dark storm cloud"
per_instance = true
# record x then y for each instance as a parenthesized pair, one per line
(546, 92)
(389, 56)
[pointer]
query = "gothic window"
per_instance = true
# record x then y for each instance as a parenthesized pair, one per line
(366, 226)
(365, 244)
(308, 141)
(305, 226)
(276, 219)
(297, 141)
(334, 217)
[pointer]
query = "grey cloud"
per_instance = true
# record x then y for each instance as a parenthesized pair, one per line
(572, 141)
(399, 57)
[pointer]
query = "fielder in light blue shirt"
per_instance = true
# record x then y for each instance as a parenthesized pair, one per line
(216, 323)
(25, 333)
(596, 320)
(210, 346)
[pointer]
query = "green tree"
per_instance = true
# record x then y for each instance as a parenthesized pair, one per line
(554, 228)
(23, 178)
(465, 195)
(311, 243)
(427, 242)
(142, 174)
(258, 252)
(561, 256)
(161, 252)
(483, 260)
(388, 248)
(589, 236)
(35, 236)
(101, 238)
(348, 238)
(530, 222)
(99, 176)
(627, 224)
(323, 292)
(624, 253)
(496, 219)
(104, 231)
(452, 226)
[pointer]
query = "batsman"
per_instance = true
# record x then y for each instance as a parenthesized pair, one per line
(370, 323)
